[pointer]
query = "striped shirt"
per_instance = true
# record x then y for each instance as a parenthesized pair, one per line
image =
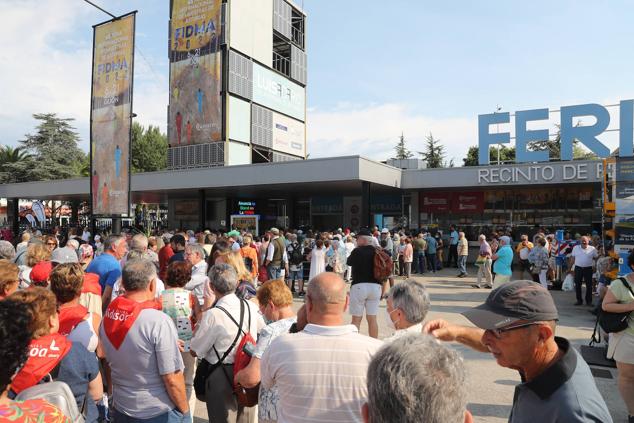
(320, 373)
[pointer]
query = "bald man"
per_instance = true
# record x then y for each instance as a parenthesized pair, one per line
(308, 367)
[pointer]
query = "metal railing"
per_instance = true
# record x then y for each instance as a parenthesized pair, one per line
(297, 37)
(281, 64)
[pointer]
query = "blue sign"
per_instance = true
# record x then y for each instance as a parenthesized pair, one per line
(587, 135)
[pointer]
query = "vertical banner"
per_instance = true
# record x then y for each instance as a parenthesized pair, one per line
(195, 111)
(111, 115)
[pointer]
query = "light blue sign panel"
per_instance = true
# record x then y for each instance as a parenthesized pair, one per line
(486, 138)
(278, 93)
(523, 136)
(585, 134)
(570, 132)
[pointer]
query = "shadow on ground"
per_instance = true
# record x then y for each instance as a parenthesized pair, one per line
(489, 410)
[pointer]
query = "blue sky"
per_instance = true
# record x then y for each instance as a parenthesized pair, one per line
(376, 68)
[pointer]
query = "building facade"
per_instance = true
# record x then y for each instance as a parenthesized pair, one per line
(238, 79)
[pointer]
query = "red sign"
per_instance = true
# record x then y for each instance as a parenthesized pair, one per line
(455, 202)
(432, 202)
(468, 202)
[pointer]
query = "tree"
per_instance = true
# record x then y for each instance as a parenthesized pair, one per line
(507, 154)
(434, 153)
(53, 152)
(149, 149)
(554, 148)
(8, 156)
(401, 151)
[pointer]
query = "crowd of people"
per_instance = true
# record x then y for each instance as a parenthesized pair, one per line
(141, 327)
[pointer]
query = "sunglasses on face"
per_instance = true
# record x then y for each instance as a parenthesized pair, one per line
(498, 332)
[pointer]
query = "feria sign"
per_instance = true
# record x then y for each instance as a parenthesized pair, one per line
(569, 132)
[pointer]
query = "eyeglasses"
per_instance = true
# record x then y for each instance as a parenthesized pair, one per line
(498, 332)
(51, 243)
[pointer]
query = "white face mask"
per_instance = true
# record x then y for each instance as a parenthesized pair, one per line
(388, 316)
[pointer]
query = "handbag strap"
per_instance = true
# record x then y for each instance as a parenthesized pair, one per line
(235, 340)
(627, 285)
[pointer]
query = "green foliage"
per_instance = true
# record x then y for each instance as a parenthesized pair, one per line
(8, 156)
(554, 148)
(401, 151)
(434, 153)
(507, 154)
(149, 149)
(53, 152)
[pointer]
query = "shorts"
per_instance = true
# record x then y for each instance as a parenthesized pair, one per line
(500, 279)
(365, 295)
(621, 347)
(296, 275)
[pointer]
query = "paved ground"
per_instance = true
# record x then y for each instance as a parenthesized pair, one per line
(490, 386)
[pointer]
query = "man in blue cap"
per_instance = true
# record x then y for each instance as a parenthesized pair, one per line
(517, 325)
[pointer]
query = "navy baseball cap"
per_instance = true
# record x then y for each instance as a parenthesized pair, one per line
(514, 301)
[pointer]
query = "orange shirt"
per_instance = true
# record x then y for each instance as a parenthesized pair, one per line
(250, 252)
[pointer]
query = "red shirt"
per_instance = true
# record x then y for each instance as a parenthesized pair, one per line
(164, 255)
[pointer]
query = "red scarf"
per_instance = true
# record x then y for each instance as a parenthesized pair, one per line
(70, 317)
(45, 353)
(121, 315)
(91, 284)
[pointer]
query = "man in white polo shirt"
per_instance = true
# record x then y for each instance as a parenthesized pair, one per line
(583, 257)
(320, 372)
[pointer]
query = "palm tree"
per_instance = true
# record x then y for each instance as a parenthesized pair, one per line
(10, 154)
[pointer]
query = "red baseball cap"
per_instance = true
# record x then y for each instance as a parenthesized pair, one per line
(41, 271)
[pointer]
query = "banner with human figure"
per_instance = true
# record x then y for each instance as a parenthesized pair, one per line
(195, 110)
(111, 115)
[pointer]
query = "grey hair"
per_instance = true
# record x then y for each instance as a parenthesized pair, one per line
(223, 278)
(412, 299)
(73, 243)
(482, 237)
(416, 379)
(111, 242)
(365, 238)
(196, 248)
(136, 254)
(7, 251)
(139, 242)
(137, 274)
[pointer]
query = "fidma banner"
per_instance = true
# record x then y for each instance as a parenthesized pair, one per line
(195, 111)
(111, 115)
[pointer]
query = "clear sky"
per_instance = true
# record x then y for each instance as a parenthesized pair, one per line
(375, 68)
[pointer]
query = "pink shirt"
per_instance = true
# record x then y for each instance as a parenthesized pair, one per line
(408, 253)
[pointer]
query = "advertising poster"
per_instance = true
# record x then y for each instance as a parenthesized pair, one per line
(433, 202)
(278, 93)
(468, 202)
(195, 110)
(625, 232)
(625, 169)
(288, 135)
(625, 198)
(111, 116)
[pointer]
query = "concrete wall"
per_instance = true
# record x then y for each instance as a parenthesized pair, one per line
(251, 29)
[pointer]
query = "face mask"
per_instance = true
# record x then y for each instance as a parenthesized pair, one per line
(388, 316)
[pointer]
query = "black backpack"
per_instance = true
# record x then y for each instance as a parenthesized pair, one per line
(296, 255)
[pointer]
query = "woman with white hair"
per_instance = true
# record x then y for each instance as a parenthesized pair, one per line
(336, 258)
(484, 260)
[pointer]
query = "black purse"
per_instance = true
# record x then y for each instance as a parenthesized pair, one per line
(615, 322)
(205, 369)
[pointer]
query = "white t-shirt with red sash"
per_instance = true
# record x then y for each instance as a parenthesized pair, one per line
(45, 353)
(121, 315)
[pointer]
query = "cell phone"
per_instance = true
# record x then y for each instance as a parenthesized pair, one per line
(187, 346)
(249, 349)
